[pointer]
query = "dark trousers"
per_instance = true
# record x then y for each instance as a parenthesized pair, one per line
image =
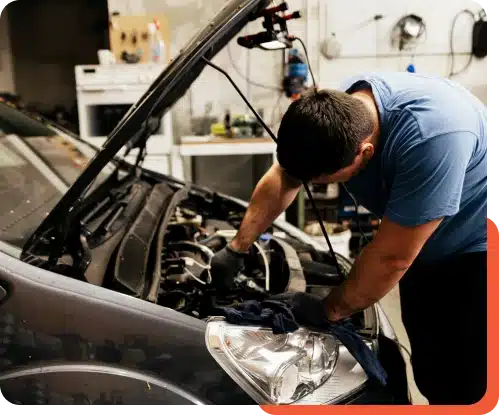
(444, 310)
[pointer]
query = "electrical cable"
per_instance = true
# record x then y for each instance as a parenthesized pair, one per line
(409, 354)
(266, 265)
(307, 189)
(238, 71)
(194, 277)
(274, 121)
(274, 138)
(229, 234)
(357, 217)
(308, 60)
(452, 51)
(309, 194)
(191, 261)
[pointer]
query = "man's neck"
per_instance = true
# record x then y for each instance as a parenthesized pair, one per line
(367, 97)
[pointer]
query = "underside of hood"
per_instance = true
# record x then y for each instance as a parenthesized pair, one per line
(138, 123)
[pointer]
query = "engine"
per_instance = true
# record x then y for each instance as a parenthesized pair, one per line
(275, 264)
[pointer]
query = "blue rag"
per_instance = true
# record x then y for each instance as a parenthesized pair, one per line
(279, 316)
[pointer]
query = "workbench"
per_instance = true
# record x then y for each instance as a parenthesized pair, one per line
(198, 146)
(219, 146)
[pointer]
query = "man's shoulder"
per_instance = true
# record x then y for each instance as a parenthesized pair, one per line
(415, 107)
(438, 106)
(418, 135)
(436, 121)
(405, 97)
(393, 80)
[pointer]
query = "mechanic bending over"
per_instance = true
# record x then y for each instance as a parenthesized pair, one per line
(413, 150)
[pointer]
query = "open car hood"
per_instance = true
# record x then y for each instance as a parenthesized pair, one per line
(163, 93)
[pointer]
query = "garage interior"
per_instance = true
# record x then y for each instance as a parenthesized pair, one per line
(84, 63)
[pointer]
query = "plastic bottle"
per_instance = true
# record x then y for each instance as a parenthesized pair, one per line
(156, 43)
(297, 74)
(151, 29)
(228, 124)
(160, 44)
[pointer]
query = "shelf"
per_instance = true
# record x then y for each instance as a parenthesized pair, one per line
(225, 146)
(156, 144)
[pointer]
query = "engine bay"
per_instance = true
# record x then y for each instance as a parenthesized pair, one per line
(177, 249)
(154, 240)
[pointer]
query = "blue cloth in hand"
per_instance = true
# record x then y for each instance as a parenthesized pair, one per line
(279, 316)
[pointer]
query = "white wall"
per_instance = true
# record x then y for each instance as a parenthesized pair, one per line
(365, 47)
(6, 69)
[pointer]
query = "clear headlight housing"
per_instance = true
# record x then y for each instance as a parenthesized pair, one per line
(298, 367)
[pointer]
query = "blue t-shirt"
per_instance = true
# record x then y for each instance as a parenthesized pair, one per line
(431, 161)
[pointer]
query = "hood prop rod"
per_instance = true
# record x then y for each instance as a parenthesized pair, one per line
(305, 185)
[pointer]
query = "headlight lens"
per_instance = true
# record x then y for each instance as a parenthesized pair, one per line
(284, 368)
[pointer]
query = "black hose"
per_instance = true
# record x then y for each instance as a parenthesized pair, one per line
(308, 60)
(272, 135)
(363, 238)
(214, 242)
(452, 73)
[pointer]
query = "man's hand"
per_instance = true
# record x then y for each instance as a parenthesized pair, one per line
(308, 309)
(225, 266)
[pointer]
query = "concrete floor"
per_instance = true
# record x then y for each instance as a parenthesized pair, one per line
(391, 306)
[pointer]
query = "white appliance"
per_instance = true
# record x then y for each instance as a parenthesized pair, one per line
(104, 94)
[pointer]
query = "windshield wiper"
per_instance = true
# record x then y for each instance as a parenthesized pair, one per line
(139, 140)
(114, 204)
(150, 127)
(111, 208)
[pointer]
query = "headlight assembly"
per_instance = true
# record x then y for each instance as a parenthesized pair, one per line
(303, 367)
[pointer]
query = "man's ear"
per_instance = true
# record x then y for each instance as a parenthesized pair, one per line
(366, 151)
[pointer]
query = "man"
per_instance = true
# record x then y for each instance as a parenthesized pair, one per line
(413, 150)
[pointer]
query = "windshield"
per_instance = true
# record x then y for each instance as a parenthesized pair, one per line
(38, 163)
(161, 95)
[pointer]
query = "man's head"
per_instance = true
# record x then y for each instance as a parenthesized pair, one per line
(325, 136)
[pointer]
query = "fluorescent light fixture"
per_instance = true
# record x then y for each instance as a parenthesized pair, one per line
(273, 45)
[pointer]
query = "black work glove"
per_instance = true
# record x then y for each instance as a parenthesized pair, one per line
(308, 309)
(225, 266)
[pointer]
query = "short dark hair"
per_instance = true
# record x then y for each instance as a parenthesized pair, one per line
(320, 133)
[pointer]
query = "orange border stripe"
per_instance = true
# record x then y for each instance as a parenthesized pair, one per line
(490, 399)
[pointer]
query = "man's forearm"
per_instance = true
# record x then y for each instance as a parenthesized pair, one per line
(373, 275)
(272, 195)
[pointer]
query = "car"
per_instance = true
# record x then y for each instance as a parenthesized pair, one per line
(105, 290)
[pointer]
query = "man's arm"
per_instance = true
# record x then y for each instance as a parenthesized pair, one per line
(428, 183)
(379, 267)
(272, 195)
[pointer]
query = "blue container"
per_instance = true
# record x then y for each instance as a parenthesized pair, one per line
(298, 70)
